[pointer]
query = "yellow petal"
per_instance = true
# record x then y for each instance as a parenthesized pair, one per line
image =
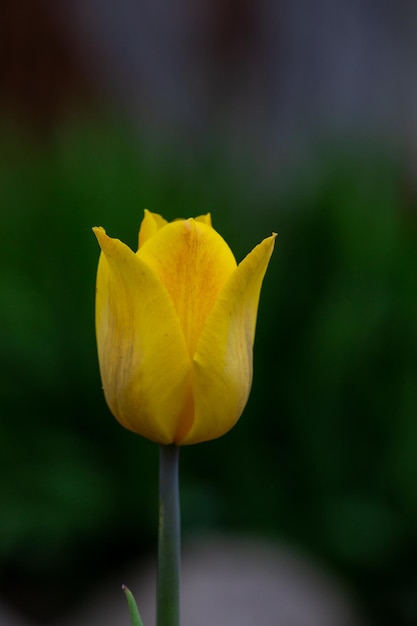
(193, 262)
(206, 219)
(150, 225)
(222, 365)
(144, 362)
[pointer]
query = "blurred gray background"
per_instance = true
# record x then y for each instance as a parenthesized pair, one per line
(294, 117)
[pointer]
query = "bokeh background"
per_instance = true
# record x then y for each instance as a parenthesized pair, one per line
(296, 117)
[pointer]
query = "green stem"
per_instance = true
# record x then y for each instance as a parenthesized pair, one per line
(169, 539)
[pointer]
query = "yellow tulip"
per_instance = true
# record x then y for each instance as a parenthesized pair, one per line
(175, 325)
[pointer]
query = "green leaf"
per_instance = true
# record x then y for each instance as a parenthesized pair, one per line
(133, 609)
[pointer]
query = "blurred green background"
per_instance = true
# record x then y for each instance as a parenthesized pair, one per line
(324, 457)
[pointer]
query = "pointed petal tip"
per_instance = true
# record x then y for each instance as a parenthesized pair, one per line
(151, 223)
(265, 247)
(270, 241)
(98, 231)
(205, 219)
(100, 234)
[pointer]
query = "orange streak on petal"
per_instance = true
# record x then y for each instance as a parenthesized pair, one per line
(193, 262)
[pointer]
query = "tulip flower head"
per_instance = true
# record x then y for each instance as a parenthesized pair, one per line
(175, 325)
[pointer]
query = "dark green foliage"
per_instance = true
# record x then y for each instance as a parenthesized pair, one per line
(325, 455)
